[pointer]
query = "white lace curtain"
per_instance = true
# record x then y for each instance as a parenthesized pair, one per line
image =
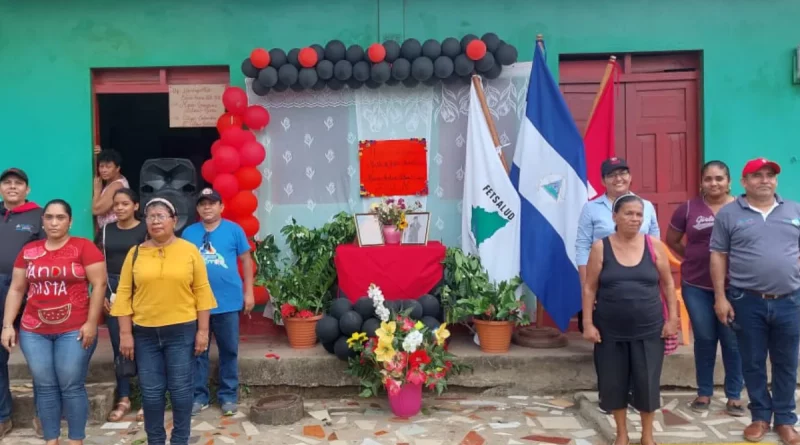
(311, 170)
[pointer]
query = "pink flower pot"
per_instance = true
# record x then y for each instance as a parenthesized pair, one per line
(408, 401)
(392, 235)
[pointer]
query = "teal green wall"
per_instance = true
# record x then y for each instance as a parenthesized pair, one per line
(47, 48)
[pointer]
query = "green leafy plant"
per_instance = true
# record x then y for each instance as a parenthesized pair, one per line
(266, 257)
(302, 292)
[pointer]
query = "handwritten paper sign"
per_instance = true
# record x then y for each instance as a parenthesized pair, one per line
(394, 167)
(195, 105)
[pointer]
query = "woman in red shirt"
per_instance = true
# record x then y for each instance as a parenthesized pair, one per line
(59, 324)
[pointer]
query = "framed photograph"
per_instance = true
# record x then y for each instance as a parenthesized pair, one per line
(419, 223)
(368, 229)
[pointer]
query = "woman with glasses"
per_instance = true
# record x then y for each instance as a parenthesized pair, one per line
(115, 240)
(59, 324)
(163, 303)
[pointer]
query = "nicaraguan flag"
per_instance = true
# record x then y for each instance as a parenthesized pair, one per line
(549, 172)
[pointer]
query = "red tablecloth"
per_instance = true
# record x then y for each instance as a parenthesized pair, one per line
(403, 272)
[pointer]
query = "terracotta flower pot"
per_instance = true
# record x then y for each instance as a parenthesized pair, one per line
(407, 402)
(302, 331)
(495, 336)
(392, 235)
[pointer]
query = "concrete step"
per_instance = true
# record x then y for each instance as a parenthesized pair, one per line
(101, 402)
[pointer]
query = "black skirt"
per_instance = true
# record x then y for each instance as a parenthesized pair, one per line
(628, 365)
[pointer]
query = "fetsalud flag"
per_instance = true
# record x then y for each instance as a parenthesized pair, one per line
(490, 209)
(549, 171)
(599, 136)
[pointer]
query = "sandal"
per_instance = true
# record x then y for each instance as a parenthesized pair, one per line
(119, 411)
(734, 408)
(140, 415)
(700, 406)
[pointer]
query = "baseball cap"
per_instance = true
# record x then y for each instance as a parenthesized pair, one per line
(209, 194)
(757, 164)
(611, 164)
(14, 172)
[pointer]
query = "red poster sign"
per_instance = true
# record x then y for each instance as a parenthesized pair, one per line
(394, 167)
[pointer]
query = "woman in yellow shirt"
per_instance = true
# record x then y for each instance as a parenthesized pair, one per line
(163, 303)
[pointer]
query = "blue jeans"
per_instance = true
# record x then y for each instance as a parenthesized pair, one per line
(225, 329)
(5, 389)
(59, 365)
(165, 362)
(123, 385)
(768, 327)
(707, 332)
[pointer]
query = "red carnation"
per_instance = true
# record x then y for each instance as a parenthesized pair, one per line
(305, 313)
(417, 358)
(287, 310)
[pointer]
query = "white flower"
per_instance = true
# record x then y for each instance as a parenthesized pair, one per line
(412, 341)
(382, 313)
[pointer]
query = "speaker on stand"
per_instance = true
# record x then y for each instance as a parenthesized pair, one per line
(174, 179)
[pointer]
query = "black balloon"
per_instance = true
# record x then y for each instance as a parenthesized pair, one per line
(268, 77)
(431, 322)
(343, 70)
(292, 57)
(430, 305)
(401, 69)
(494, 73)
(485, 63)
(452, 79)
(319, 50)
(364, 307)
(342, 351)
(465, 41)
(410, 49)
(329, 347)
(339, 307)
(354, 54)
(381, 72)
(451, 47)
(361, 71)
(334, 51)
(277, 58)
(248, 69)
(354, 84)
(392, 50)
(491, 40)
(370, 326)
(443, 67)
(296, 87)
(394, 306)
(506, 54)
(431, 49)
(411, 82)
(259, 89)
(422, 69)
(280, 87)
(371, 84)
(287, 74)
(320, 85)
(416, 309)
(350, 322)
(432, 81)
(392, 82)
(463, 66)
(325, 69)
(327, 329)
(307, 77)
(335, 84)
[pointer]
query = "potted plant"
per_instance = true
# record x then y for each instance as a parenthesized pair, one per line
(392, 215)
(402, 358)
(494, 308)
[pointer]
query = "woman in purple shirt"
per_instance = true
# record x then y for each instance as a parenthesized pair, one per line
(695, 220)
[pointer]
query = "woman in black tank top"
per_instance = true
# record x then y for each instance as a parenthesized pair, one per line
(624, 278)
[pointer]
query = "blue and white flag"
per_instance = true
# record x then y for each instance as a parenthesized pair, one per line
(549, 172)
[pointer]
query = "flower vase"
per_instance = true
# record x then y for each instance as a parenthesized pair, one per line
(408, 401)
(302, 331)
(392, 235)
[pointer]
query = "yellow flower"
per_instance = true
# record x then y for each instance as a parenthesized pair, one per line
(419, 325)
(386, 331)
(385, 351)
(357, 337)
(442, 333)
(402, 225)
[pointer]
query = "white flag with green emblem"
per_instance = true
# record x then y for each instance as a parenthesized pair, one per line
(491, 206)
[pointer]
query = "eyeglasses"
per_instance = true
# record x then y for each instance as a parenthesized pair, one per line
(207, 241)
(618, 174)
(158, 217)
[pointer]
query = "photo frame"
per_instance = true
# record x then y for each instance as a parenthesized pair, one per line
(368, 230)
(419, 224)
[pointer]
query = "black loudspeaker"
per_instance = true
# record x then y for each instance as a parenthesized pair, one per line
(174, 179)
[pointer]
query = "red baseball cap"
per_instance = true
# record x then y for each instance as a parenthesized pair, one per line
(757, 164)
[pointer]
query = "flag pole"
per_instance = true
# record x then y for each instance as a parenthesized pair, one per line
(610, 66)
(476, 82)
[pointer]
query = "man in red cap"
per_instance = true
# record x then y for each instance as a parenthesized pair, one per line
(756, 244)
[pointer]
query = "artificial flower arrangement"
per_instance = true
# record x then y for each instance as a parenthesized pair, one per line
(402, 352)
(392, 212)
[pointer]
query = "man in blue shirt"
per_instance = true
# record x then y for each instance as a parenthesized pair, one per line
(222, 243)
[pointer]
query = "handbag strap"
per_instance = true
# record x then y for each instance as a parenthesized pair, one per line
(106, 256)
(650, 248)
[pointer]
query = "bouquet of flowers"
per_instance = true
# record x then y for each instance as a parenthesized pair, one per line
(402, 351)
(392, 212)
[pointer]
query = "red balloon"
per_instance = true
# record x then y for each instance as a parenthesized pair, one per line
(259, 58)
(476, 49)
(226, 185)
(260, 294)
(235, 100)
(252, 245)
(226, 160)
(249, 178)
(215, 146)
(243, 203)
(256, 117)
(252, 154)
(307, 57)
(208, 172)
(376, 53)
(227, 121)
(236, 137)
(226, 212)
(249, 224)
